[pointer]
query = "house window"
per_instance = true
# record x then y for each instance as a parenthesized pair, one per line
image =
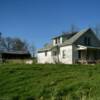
(79, 54)
(87, 41)
(56, 41)
(45, 53)
(63, 53)
(54, 53)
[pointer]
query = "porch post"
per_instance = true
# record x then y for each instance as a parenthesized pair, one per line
(86, 55)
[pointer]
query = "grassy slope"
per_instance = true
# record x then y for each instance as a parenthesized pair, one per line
(48, 81)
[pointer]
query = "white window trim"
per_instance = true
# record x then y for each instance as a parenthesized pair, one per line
(63, 54)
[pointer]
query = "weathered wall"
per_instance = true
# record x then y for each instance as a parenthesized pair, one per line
(94, 40)
(75, 54)
(68, 54)
(50, 59)
(41, 58)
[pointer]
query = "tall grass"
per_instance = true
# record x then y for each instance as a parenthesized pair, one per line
(49, 82)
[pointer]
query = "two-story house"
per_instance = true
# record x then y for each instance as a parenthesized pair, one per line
(71, 48)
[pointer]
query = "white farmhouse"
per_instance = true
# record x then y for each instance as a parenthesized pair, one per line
(71, 48)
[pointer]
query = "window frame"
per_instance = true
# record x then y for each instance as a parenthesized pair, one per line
(87, 41)
(64, 54)
(79, 54)
(46, 53)
(56, 40)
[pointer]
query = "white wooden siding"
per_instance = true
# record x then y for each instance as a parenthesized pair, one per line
(44, 59)
(68, 54)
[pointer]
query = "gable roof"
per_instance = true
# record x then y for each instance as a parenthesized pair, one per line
(65, 34)
(50, 46)
(75, 37)
(69, 41)
(14, 52)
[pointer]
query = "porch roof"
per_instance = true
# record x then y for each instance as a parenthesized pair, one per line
(81, 47)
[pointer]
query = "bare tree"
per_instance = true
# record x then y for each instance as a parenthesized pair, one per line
(2, 42)
(73, 28)
(19, 45)
(13, 44)
(33, 51)
(8, 43)
(0, 36)
(97, 30)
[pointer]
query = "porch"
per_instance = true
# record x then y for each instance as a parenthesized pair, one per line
(88, 54)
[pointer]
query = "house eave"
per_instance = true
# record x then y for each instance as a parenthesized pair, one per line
(81, 47)
(39, 51)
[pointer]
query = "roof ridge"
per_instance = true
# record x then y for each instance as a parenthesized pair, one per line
(76, 36)
(64, 34)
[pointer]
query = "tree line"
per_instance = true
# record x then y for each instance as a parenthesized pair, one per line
(12, 44)
(15, 44)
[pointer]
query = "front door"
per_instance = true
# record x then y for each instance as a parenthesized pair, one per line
(91, 54)
(82, 54)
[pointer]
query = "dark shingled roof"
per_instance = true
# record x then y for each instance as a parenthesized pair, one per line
(75, 37)
(14, 52)
(65, 34)
(71, 39)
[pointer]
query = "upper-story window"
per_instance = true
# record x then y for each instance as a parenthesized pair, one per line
(58, 40)
(87, 40)
(55, 40)
(45, 53)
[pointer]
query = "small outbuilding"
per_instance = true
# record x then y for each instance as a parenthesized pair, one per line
(14, 55)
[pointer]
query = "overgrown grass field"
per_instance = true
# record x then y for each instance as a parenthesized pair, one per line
(49, 82)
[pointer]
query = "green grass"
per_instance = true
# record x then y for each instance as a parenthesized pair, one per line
(49, 82)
